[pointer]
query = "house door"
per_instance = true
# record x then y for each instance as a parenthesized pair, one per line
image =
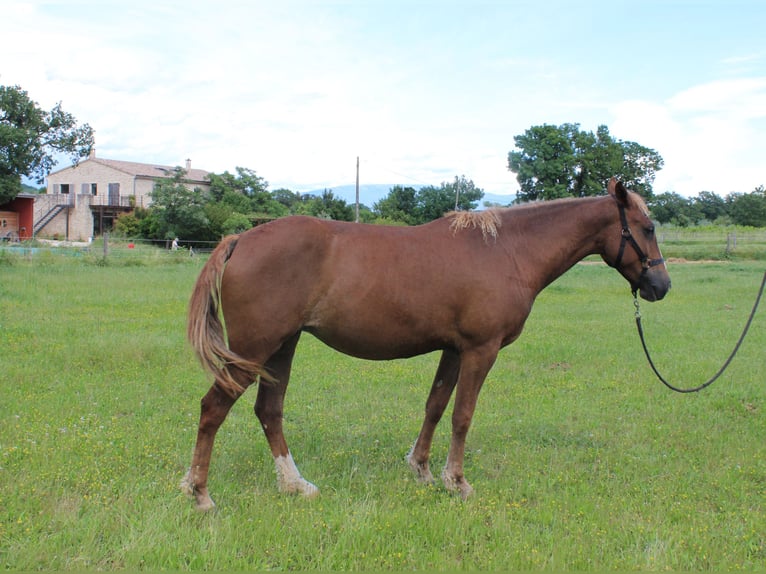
(114, 194)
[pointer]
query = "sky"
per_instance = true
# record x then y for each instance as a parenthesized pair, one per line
(419, 91)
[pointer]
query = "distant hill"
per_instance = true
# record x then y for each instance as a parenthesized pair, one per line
(29, 189)
(371, 193)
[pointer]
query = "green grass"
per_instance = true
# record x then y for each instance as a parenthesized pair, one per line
(579, 457)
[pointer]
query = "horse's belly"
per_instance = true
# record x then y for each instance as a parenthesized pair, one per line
(375, 343)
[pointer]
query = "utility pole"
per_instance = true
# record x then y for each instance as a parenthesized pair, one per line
(457, 191)
(357, 189)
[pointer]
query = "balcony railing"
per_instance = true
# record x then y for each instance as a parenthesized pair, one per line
(111, 200)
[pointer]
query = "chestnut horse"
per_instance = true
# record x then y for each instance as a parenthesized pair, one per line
(463, 285)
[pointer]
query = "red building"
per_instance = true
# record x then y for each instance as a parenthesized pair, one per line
(17, 218)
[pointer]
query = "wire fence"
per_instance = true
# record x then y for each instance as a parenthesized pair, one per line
(713, 244)
(107, 250)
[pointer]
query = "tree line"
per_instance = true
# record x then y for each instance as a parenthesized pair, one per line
(736, 208)
(549, 162)
(236, 202)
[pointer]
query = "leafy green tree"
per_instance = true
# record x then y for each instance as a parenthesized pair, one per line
(748, 208)
(128, 225)
(245, 182)
(30, 138)
(327, 206)
(434, 202)
(670, 207)
(601, 159)
(399, 205)
(639, 167)
(710, 205)
(178, 211)
(246, 193)
(545, 165)
(413, 207)
(563, 161)
(236, 223)
(286, 197)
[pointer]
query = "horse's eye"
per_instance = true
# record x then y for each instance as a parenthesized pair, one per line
(649, 231)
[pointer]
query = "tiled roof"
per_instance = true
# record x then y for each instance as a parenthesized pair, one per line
(148, 169)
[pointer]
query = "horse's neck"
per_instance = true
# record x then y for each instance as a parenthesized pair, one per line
(557, 235)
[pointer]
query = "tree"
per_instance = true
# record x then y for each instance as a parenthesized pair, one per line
(710, 205)
(748, 208)
(286, 197)
(544, 164)
(413, 207)
(246, 182)
(399, 205)
(178, 211)
(327, 206)
(563, 161)
(434, 202)
(670, 207)
(30, 138)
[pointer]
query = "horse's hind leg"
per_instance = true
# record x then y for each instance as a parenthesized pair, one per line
(441, 390)
(269, 408)
(215, 406)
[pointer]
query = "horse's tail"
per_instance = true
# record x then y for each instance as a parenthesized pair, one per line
(205, 329)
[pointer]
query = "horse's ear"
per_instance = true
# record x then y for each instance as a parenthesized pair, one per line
(617, 190)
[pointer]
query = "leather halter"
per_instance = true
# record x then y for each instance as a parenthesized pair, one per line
(627, 237)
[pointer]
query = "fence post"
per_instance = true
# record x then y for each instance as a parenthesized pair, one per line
(106, 243)
(731, 242)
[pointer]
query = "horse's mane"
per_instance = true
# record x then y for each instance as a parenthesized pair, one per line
(488, 221)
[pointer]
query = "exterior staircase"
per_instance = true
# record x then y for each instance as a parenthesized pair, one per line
(48, 217)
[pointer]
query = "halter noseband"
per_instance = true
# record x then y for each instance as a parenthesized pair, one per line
(627, 237)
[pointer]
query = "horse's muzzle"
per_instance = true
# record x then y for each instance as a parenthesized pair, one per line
(654, 284)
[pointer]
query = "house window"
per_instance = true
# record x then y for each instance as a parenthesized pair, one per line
(94, 189)
(64, 188)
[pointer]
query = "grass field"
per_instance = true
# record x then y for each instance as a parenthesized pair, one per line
(579, 457)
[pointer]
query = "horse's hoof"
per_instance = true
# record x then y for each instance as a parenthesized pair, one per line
(206, 504)
(203, 502)
(421, 470)
(300, 486)
(458, 485)
(308, 490)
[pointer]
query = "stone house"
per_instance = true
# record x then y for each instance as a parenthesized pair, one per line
(82, 201)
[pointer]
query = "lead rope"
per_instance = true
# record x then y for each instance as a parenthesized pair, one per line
(725, 365)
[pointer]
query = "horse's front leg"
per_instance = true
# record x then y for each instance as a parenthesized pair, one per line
(441, 391)
(215, 405)
(473, 370)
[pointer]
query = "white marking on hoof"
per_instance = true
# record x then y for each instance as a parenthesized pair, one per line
(290, 481)
(187, 485)
(421, 470)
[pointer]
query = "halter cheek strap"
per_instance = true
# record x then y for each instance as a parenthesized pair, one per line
(627, 237)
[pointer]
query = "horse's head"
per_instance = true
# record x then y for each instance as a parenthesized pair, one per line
(632, 248)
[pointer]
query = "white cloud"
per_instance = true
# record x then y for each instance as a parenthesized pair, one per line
(710, 135)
